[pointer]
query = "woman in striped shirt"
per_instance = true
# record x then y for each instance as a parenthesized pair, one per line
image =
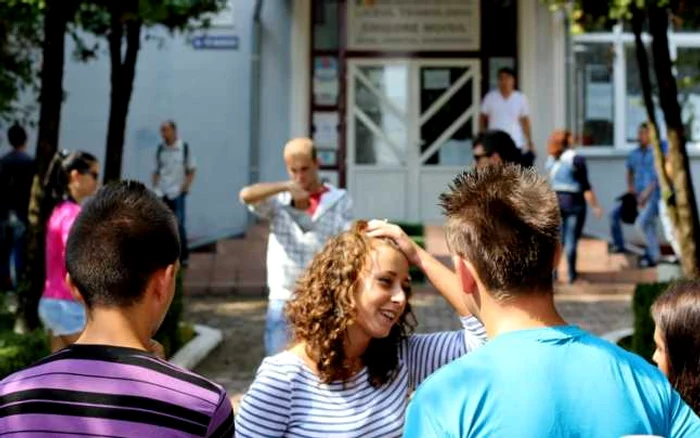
(355, 362)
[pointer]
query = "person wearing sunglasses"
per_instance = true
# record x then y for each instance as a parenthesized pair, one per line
(72, 178)
(494, 148)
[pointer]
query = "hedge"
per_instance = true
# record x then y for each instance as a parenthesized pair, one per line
(19, 351)
(169, 333)
(411, 228)
(643, 338)
(415, 232)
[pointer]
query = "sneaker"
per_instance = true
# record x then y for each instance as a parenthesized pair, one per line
(645, 262)
(614, 249)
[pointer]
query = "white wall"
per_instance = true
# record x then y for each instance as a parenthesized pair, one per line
(207, 92)
(276, 88)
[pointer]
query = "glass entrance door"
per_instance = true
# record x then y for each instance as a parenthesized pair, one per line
(410, 124)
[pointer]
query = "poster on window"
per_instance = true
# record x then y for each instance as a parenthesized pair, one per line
(437, 25)
(327, 157)
(326, 84)
(325, 129)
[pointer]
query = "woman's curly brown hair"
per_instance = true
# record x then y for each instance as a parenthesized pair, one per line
(324, 304)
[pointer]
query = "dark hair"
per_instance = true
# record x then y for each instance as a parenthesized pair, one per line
(17, 136)
(559, 141)
(507, 71)
(58, 176)
(120, 239)
(500, 142)
(171, 123)
(677, 315)
(505, 220)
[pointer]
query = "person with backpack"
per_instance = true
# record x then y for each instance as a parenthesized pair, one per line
(173, 177)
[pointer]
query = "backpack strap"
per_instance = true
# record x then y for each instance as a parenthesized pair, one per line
(159, 161)
(187, 155)
(159, 153)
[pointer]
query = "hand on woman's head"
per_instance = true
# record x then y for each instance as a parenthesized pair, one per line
(383, 229)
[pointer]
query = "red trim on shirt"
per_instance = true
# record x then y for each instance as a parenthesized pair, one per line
(315, 200)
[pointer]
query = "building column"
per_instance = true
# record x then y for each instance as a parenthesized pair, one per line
(300, 59)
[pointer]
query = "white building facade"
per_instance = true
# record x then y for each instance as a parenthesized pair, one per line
(390, 90)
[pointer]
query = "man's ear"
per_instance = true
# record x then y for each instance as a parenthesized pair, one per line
(77, 296)
(163, 281)
(466, 276)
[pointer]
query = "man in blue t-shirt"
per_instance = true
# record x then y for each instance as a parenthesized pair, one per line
(643, 184)
(538, 376)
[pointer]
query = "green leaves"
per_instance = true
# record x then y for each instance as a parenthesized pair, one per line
(20, 27)
(591, 15)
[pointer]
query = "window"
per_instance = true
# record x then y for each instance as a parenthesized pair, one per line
(635, 109)
(607, 106)
(326, 26)
(595, 103)
(688, 66)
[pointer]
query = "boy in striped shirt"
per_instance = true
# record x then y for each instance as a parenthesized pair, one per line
(122, 261)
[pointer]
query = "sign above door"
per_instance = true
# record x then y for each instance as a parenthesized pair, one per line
(437, 25)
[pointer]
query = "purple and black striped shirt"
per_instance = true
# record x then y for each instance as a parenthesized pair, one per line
(95, 390)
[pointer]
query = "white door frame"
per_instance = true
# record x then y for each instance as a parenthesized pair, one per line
(412, 162)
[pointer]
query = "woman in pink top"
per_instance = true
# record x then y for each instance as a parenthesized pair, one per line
(72, 177)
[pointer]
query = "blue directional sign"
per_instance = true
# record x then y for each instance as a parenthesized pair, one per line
(228, 42)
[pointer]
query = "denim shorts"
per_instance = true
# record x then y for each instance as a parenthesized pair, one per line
(62, 317)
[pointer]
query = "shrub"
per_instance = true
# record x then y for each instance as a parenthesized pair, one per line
(411, 228)
(169, 333)
(643, 338)
(18, 351)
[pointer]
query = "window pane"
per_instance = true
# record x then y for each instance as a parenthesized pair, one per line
(634, 102)
(594, 103)
(326, 25)
(380, 108)
(440, 116)
(688, 65)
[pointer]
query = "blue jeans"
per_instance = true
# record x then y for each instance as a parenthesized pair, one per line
(276, 329)
(573, 219)
(645, 223)
(12, 251)
(177, 205)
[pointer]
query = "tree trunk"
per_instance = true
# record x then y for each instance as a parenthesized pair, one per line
(688, 226)
(666, 187)
(122, 81)
(56, 17)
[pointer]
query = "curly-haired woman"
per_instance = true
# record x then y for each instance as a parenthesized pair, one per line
(677, 337)
(355, 362)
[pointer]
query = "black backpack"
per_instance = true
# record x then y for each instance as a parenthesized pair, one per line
(628, 212)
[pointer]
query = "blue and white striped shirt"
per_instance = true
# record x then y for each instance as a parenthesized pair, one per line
(287, 399)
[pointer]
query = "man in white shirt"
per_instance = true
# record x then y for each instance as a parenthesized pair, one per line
(303, 213)
(507, 109)
(174, 174)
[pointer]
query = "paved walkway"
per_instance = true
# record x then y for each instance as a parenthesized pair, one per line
(226, 290)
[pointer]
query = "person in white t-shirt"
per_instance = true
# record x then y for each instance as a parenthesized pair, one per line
(507, 109)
